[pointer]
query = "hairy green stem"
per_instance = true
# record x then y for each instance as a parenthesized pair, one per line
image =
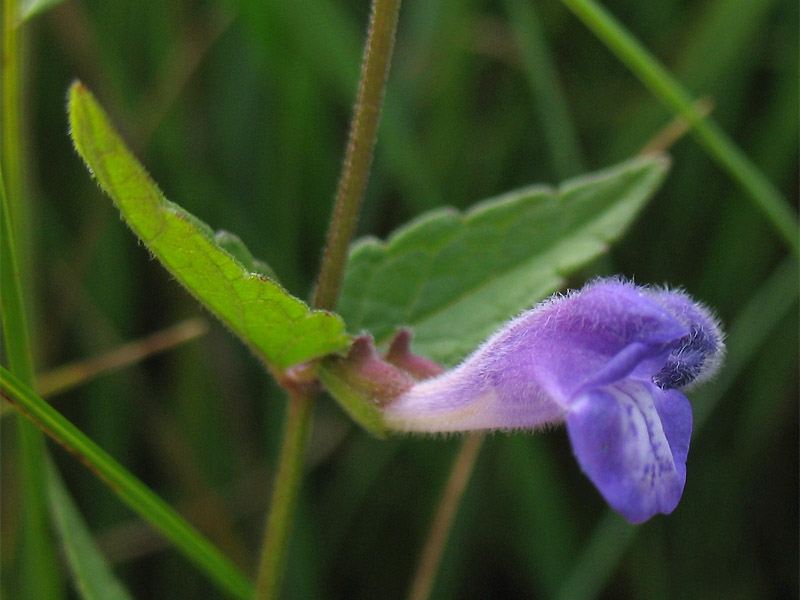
(284, 496)
(360, 145)
(424, 578)
(716, 143)
(347, 206)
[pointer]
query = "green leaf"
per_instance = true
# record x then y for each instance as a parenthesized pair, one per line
(90, 571)
(133, 492)
(281, 329)
(37, 569)
(234, 246)
(30, 8)
(453, 278)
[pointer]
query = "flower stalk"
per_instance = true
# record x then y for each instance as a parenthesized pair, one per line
(360, 145)
(284, 495)
(347, 207)
(425, 576)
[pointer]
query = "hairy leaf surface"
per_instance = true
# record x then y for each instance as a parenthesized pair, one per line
(454, 277)
(277, 326)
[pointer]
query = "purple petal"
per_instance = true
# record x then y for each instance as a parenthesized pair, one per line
(698, 356)
(631, 439)
(606, 332)
(469, 399)
(529, 373)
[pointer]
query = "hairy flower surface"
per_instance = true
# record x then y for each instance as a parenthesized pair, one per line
(609, 360)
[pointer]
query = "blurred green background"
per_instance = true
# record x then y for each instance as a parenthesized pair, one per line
(240, 109)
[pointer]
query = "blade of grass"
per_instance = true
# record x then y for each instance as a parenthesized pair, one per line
(673, 131)
(539, 508)
(185, 57)
(15, 320)
(39, 575)
(713, 139)
(10, 114)
(752, 328)
(93, 577)
(38, 572)
(132, 491)
(328, 41)
(547, 92)
(599, 558)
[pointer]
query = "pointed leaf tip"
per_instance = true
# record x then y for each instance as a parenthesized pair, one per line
(280, 328)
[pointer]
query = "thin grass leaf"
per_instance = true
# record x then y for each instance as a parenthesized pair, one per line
(329, 41)
(38, 574)
(31, 8)
(133, 492)
(91, 573)
(279, 328)
(546, 89)
(15, 321)
(713, 139)
(78, 373)
(599, 558)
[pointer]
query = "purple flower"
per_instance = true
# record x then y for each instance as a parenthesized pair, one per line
(609, 361)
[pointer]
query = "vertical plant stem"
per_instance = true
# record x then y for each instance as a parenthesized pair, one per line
(10, 127)
(425, 576)
(360, 145)
(347, 206)
(38, 573)
(284, 495)
(716, 143)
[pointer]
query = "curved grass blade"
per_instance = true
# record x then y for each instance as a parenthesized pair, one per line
(714, 140)
(280, 329)
(37, 573)
(91, 573)
(453, 278)
(132, 491)
(31, 8)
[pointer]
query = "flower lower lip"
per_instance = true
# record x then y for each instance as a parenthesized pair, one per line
(631, 440)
